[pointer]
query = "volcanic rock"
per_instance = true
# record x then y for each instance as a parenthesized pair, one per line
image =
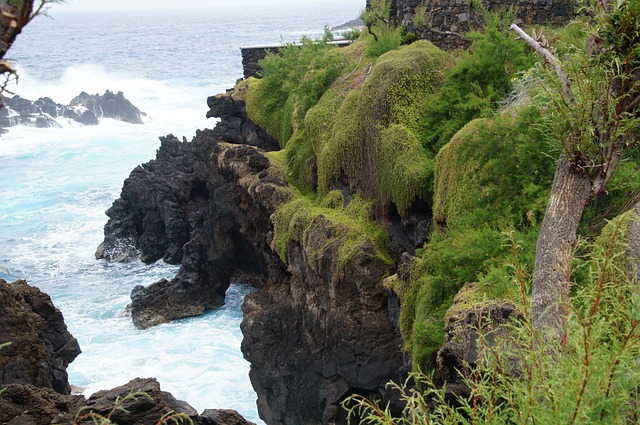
(40, 346)
(84, 109)
(466, 320)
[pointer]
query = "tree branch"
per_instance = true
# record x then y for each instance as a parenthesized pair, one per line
(554, 61)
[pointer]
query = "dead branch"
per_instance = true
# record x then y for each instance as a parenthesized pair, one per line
(553, 61)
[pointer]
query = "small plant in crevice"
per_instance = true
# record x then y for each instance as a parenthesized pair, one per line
(593, 379)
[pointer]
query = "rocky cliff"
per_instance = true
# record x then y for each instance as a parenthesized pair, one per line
(40, 346)
(319, 329)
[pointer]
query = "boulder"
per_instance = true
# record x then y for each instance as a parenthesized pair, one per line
(469, 317)
(31, 405)
(40, 346)
(139, 402)
(222, 417)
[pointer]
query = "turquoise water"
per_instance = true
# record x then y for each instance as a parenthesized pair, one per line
(57, 183)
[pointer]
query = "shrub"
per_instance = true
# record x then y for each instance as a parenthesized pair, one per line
(292, 81)
(592, 380)
(450, 259)
(475, 86)
(494, 171)
(382, 34)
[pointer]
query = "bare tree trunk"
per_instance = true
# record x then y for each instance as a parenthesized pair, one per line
(570, 193)
(633, 246)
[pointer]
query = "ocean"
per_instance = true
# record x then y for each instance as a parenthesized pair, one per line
(57, 183)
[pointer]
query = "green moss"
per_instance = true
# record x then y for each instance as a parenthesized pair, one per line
(612, 245)
(351, 228)
(270, 110)
(374, 129)
(320, 119)
(494, 170)
(404, 172)
(334, 200)
(463, 254)
(301, 161)
(345, 151)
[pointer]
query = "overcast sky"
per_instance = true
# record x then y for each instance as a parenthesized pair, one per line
(180, 4)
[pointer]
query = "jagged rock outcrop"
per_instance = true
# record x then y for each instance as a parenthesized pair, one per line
(467, 319)
(313, 334)
(40, 346)
(139, 402)
(109, 105)
(178, 208)
(84, 109)
(313, 339)
(234, 125)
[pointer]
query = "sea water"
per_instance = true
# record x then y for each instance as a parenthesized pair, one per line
(57, 183)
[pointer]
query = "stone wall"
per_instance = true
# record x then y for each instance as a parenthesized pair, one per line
(251, 55)
(448, 20)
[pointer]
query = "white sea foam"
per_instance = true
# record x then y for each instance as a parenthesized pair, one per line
(56, 183)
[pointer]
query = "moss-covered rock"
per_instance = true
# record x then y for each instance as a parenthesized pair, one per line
(494, 170)
(348, 229)
(469, 320)
(374, 141)
(619, 243)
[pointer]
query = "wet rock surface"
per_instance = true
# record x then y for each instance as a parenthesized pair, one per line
(83, 109)
(40, 346)
(313, 335)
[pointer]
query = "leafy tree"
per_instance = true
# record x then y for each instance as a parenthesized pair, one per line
(591, 100)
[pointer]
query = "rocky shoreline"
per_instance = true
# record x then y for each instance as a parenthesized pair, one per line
(312, 338)
(34, 388)
(84, 109)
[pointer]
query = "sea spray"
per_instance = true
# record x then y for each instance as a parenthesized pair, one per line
(56, 183)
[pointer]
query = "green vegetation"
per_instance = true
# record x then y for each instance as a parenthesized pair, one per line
(328, 224)
(494, 171)
(292, 81)
(466, 133)
(593, 380)
(372, 143)
(382, 35)
(476, 85)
